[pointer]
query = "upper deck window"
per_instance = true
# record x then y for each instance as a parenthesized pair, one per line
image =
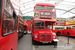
(50, 8)
(40, 7)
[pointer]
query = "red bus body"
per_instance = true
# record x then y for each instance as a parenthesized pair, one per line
(9, 25)
(25, 26)
(70, 27)
(60, 32)
(58, 29)
(29, 26)
(71, 31)
(21, 27)
(43, 21)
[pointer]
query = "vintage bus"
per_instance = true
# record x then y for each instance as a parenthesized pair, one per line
(29, 23)
(8, 25)
(58, 28)
(70, 27)
(44, 17)
(21, 27)
(25, 26)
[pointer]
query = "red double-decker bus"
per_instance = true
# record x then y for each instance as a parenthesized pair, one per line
(44, 17)
(70, 27)
(8, 24)
(25, 26)
(21, 27)
(58, 27)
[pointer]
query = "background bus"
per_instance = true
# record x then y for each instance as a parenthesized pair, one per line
(58, 26)
(27, 24)
(70, 26)
(21, 28)
(8, 25)
(59, 30)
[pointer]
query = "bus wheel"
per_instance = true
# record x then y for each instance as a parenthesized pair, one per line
(33, 42)
(58, 33)
(25, 32)
(55, 44)
(68, 33)
(11, 49)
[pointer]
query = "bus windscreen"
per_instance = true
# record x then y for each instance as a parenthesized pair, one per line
(50, 8)
(39, 24)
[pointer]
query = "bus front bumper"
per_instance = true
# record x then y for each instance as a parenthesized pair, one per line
(55, 40)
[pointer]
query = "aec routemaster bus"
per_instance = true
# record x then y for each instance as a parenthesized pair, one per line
(25, 26)
(21, 28)
(58, 28)
(70, 27)
(8, 25)
(44, 17)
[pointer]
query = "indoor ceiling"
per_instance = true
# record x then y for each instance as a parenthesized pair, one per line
(64, 8)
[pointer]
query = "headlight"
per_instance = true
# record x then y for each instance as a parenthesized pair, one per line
(54, 36)
(36, 36)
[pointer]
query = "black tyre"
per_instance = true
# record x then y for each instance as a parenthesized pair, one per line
(58, 33)
(33, 42)
(55, 44)
(68, 33)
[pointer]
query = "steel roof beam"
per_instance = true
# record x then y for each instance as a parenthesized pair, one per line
(27, 2)
(32, 3)
(69, 10)
(64, 10)
(26, 9)
(69, 1)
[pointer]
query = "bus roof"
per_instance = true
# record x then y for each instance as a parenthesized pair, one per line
(45, 4)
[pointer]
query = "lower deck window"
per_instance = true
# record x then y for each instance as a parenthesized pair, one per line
(9, 23)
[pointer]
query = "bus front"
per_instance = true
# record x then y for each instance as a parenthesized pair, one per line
(42, 32)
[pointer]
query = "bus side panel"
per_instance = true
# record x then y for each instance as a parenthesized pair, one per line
(15, 41)
(61, 31)
(65, 31)
(71, 31)
(9, 42)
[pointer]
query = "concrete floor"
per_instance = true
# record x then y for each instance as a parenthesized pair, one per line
(25, 43)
